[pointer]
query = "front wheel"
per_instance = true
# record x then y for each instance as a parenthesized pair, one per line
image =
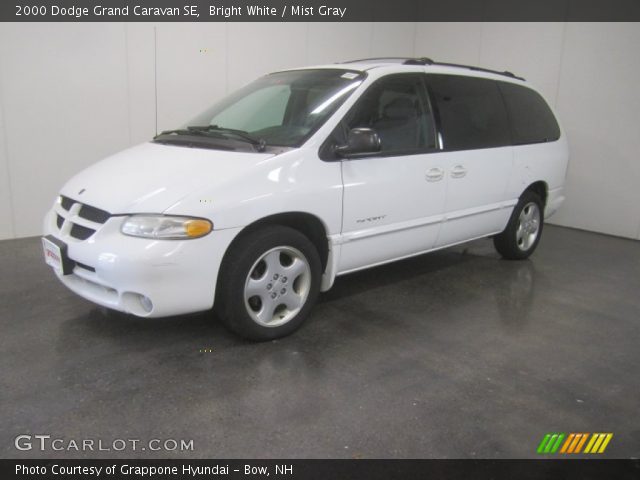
(268, 283)
(524, 229)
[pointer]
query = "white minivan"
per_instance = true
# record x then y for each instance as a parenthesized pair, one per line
(257, 204)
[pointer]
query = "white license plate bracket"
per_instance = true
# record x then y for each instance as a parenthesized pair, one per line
(55, 255)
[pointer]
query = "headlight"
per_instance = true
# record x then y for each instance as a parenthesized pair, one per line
(165, 227)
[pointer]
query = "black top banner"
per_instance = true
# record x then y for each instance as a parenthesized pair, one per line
(319, 10)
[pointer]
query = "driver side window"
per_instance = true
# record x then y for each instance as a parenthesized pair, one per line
(397, 108)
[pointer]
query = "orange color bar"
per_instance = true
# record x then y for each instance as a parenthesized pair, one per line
(574, 443)
(567, 443)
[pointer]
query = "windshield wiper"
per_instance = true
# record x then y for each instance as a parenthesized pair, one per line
(189, 131)
(214, 131)
(258, 143)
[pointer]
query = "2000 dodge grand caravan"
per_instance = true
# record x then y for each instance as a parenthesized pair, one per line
(256, 205)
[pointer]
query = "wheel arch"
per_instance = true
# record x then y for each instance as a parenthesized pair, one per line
(306, 223)
(541, 188)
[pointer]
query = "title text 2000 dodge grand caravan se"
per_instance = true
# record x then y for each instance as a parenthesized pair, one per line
(256, 205)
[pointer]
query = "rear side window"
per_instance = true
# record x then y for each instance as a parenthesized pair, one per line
(531, 118)
(471, 110)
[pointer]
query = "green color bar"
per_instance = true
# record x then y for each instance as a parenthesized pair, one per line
(544, 443)
(552, 440)
(558, 442)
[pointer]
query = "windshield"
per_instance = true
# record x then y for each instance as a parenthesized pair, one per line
(281, 109)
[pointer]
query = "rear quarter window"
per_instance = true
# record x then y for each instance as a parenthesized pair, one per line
(471, 111)
(531, 118)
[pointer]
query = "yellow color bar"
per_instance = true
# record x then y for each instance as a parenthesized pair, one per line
(599, 440)
(591, 442)
(606, 441)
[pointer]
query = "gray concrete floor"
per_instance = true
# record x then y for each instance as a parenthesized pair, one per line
(453, 354)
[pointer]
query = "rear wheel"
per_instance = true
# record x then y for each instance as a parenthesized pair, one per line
(519, 240)
(268, 284)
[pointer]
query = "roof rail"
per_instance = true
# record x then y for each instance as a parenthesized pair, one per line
(428, 61)
(469, 67)
(419, 61)
(379, 59)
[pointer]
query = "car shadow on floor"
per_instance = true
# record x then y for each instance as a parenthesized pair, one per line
(513, 288)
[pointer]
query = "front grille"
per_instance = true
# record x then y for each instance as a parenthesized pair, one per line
(86, 267)
(66, 202)
(80, 232)
(84, 211)
(93, 214)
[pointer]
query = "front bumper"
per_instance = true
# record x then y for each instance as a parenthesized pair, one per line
(147, 278)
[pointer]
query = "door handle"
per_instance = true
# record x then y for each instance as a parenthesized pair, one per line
(458, 171)
(435, 174)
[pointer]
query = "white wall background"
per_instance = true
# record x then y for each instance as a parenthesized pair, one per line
(71, 94)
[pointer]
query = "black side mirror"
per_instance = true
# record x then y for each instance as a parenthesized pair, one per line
(360, 141)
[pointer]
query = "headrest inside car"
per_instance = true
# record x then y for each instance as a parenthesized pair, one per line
(400, 108)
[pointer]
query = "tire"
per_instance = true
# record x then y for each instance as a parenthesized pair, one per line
(268, 283)
(522, 235)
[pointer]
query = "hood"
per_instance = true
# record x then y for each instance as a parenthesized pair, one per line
(150, 178)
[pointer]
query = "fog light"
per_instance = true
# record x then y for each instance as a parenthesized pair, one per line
(137, 304)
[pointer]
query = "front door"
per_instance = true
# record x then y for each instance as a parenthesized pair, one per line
(394, 199)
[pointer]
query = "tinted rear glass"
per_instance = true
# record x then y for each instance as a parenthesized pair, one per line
(472, 112)
(531, 118)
